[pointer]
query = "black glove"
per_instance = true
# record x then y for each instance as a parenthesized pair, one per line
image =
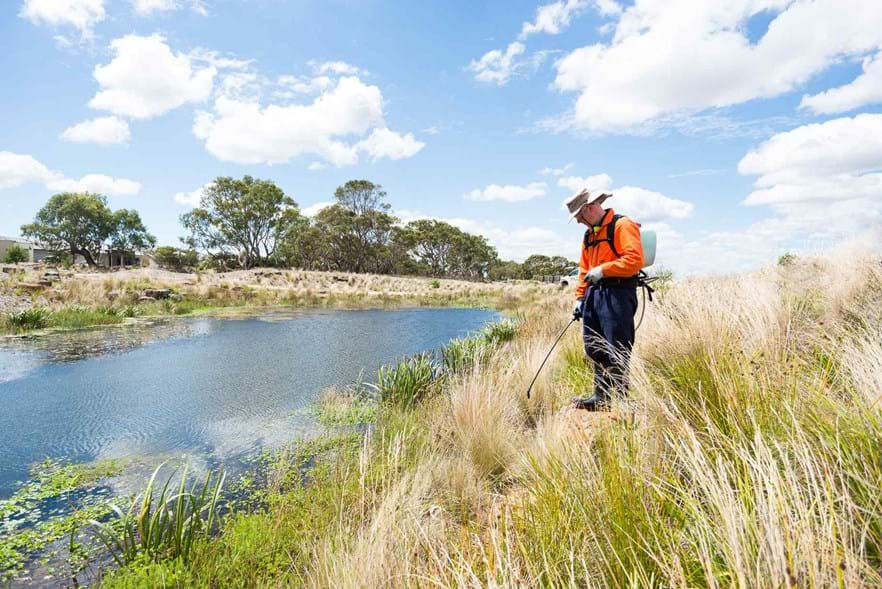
(577, 312)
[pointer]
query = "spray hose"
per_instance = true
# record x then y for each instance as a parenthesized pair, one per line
(644, 282)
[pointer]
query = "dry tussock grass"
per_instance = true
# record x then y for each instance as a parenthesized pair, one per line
(750, 457)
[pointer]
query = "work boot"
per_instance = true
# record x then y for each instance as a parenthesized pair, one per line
(592, 403)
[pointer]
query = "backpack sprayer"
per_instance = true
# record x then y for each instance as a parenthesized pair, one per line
(648, 240)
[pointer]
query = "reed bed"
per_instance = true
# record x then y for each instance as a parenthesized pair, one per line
(749, 455)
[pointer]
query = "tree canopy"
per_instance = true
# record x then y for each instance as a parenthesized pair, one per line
(82, 224)
(248, 218)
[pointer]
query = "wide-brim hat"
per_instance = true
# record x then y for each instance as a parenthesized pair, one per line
(578, 201)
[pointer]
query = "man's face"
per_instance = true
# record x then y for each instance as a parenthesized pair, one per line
(591, 214)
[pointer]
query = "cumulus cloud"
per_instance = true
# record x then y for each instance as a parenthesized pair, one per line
(644, 205)
(818, 164)
(103, 131)
(592, 183)
(497, 67)
(336, 67)
(96, 183)
(863, 90)
(313, 210)
(244, 131)
(190, 199)
(17, 169)
(146, 79)
(508, 193)
(149, 7)
(81, 14)
(555, 17)
(668, 57)
(385, 143)
(556, 171)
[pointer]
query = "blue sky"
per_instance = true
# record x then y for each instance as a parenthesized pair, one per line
(737, 129)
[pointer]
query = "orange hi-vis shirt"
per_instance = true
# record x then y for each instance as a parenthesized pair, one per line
(627, 242)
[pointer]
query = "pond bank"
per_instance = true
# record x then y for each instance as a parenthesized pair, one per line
(88, 299)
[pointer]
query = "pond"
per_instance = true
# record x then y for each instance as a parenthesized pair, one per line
(211, 388)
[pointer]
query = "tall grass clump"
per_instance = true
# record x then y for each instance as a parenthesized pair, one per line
(27, 319)
(164, 525)
(408, 382)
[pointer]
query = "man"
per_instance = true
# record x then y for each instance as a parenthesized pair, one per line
(606, 293)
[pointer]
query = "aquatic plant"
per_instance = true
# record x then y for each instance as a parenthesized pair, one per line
(27, 319)
(164, 526)
(409, 381)
(57, 500)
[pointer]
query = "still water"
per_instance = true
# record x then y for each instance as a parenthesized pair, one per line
(207, 387)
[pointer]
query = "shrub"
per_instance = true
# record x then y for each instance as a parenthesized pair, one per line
(435, 283)
(786, 259)
(15, 254)
(177, 260)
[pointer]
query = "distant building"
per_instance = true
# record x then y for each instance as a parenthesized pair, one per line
(36, 253)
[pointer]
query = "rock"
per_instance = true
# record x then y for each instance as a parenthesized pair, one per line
(44, 282)
(157, 293)
(146, 299)
(31, 286)
(176, 297)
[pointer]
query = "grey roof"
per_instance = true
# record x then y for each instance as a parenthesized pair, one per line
(16, 239)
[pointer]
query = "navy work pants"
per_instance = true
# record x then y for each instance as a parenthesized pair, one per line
(608, 333)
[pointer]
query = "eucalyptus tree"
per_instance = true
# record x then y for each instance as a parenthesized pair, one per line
(81, 223)
(248, 218)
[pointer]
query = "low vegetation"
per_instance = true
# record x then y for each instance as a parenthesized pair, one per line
(748, 456)
(80, 300)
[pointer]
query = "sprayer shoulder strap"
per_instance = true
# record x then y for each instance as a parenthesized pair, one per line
(610, 236)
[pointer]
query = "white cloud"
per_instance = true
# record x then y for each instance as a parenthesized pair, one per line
(645, 206)
(16, 169)
(81, 14)
(680, 56)
(592, 183)
(149, 7)
(190, 199)
(96, 183)
(553, 18)
(316, 166)
(103, 131)
(819, 164)
(556, 171)
(497, 67)
(508, 193)
(313, 210)
(336, 67)
(386, 143)
(303, 85)
(823, 185)
(863, 90)
(244, 131)
(146, 79)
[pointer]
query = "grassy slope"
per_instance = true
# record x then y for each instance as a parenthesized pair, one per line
(752, 457)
